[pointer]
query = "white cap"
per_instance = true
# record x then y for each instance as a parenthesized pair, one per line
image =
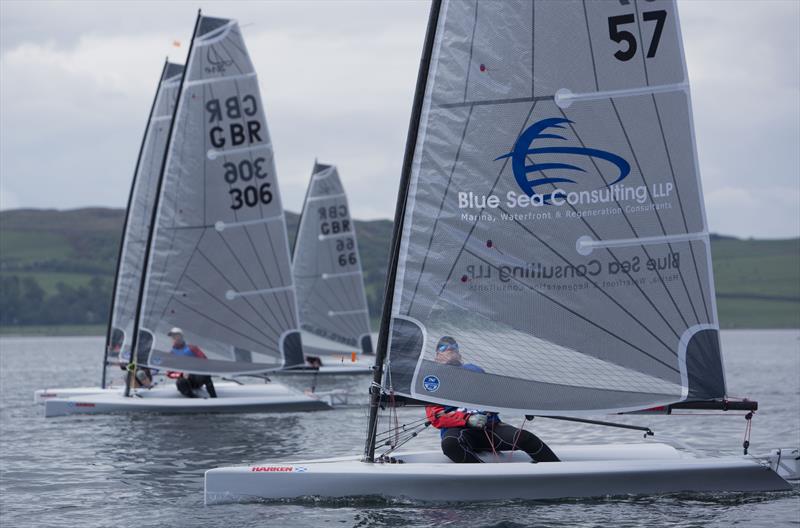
(175, 330)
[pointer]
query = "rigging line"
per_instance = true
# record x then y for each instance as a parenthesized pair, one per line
(441, 207)
(220, 324)
(680, 203)
(471, 46)
(601, 290)
(475, 223)
(660, 222)
(533, 46)
(479, 257)
(180, 278)
(227, 307)
(277, 265)
(247, 274)
(639, 29)
(630, 225)
(591, 48)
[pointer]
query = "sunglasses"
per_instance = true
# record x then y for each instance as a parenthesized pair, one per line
(444, 347)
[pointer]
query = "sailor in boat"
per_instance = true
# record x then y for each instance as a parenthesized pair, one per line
(466, 432)
(188, 383)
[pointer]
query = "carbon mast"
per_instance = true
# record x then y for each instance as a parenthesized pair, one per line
(399, 215)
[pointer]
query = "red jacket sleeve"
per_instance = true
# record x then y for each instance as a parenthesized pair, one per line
(197, 352)
(442, 420)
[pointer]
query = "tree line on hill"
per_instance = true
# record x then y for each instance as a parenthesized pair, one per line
(24, 302)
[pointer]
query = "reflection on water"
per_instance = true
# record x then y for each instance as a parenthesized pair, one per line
(147, 470)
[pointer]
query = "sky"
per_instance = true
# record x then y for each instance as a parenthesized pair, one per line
(337, 81)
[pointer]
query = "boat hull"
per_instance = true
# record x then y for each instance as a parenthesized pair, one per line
(232, 398)
(585, 471)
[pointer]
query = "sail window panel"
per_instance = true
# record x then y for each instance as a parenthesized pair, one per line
(634, 21)
(580, 303)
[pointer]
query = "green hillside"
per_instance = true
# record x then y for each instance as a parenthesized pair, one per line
(56, 272)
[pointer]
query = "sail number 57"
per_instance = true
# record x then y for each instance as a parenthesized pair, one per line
(619, 35)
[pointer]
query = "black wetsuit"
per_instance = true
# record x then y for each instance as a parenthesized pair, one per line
(461, 444)
(187, 386)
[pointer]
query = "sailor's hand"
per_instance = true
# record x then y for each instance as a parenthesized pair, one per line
(478, 421)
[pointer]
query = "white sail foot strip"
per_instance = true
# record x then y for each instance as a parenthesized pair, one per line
(335, 235)
(326, 276)
(564, 97)
(214, 154)
(222, 226)
(586, 244)
(231, 295)
(318, 198)
(331, 313)
(221, 79)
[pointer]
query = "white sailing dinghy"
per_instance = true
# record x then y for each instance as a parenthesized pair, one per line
(217, 260)
(130, 259)
(326, 263)
(550, 220)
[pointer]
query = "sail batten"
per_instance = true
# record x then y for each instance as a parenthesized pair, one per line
(553, 223)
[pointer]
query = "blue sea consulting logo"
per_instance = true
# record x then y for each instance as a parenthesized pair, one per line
(431, 383)
(524, 150)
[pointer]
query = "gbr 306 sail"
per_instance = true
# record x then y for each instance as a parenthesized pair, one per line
(137, 220)
(552, 219)
(327, 268)
(218, 264)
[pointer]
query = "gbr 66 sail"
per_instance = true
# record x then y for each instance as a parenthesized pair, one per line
(551, 218)
(218, 263)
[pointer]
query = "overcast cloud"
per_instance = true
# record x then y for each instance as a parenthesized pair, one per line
(337, 78)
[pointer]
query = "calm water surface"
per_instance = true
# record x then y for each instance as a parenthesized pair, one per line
(98, 471)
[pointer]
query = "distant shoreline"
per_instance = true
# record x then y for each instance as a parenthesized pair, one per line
(100, 330)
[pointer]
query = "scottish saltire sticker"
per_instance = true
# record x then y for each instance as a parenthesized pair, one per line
(431, 383)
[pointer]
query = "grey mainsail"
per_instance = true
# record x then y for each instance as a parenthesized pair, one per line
(327, 268)
(551, 220)
(130, 263)
(218, 263)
